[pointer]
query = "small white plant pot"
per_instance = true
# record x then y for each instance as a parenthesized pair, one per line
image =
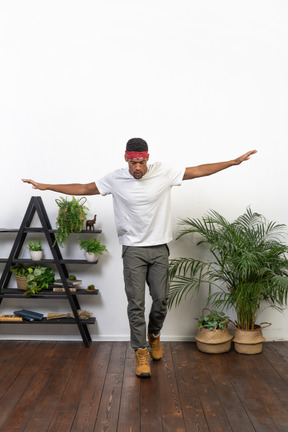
(36, 255)
(91, 257)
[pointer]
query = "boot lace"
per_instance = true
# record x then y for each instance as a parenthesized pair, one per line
(143, 359)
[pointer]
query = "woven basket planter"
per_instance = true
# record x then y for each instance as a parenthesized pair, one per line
(21, 283)
(249, 341)
(213, 341)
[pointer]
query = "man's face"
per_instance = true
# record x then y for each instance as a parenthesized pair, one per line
(137, 168)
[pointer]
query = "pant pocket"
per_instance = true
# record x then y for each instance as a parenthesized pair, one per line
(168, 250)
(124, 250)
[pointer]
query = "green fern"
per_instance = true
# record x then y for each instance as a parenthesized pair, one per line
(71, 216)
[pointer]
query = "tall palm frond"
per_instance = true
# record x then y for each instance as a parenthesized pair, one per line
(249, 264)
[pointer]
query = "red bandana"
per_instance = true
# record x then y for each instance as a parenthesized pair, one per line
(136, 155)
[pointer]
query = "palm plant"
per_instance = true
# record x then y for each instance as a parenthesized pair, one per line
(249, 265)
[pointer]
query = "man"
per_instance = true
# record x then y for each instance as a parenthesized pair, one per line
(141, 197)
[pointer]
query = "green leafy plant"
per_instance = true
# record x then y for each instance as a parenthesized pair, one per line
(34, 245)
(214, 320)
(38, 278)
(92, 246)
(248, 265)
(70, 219)
(19, 270)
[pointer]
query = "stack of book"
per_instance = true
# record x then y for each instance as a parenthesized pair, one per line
(72, 284)
(29, 315)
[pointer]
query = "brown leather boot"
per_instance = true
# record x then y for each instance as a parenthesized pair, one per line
(155, 344)
(142, 363)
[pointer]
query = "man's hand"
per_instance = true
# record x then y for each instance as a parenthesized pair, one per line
(69, 189)
(212, 168)
(244, 157)
(34, 184)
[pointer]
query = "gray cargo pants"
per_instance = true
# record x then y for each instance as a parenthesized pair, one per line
(146, 264)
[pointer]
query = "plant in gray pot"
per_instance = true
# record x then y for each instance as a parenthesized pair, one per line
(247, 265)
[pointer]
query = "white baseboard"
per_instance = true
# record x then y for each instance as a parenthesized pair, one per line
(103, 338)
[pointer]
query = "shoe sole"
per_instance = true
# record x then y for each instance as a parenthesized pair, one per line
(144, 375)
(156, 359)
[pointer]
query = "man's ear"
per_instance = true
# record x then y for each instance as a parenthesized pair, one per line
(125, 157)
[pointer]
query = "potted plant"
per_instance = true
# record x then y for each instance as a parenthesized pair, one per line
(38, 278)
(93, 248)
(35, 249)
(70, 219)
(20, 271)
(213, 335)
(248, 266)
(32, 279)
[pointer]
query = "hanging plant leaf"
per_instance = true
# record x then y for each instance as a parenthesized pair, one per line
(71, 217)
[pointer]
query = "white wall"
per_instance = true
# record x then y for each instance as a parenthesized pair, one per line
(200, 81)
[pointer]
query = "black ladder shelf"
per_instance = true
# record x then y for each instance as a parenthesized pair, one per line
(36, 205)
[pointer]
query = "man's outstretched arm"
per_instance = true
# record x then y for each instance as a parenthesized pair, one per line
(212, 168)
(68, 189)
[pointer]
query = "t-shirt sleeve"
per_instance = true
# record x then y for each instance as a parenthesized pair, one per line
(175, 175)
(105, 184)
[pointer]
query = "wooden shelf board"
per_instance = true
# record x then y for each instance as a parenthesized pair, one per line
(15, 293)
(49, 261)
(52, 321)
(40, 230)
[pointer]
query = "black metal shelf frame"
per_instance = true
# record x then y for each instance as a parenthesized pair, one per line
(36, 205)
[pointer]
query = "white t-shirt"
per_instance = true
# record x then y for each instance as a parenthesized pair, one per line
(142, 207)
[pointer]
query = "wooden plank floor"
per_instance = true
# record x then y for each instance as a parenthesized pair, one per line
(63, 386)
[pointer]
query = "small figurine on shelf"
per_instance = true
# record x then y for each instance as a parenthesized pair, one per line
(90, 223)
